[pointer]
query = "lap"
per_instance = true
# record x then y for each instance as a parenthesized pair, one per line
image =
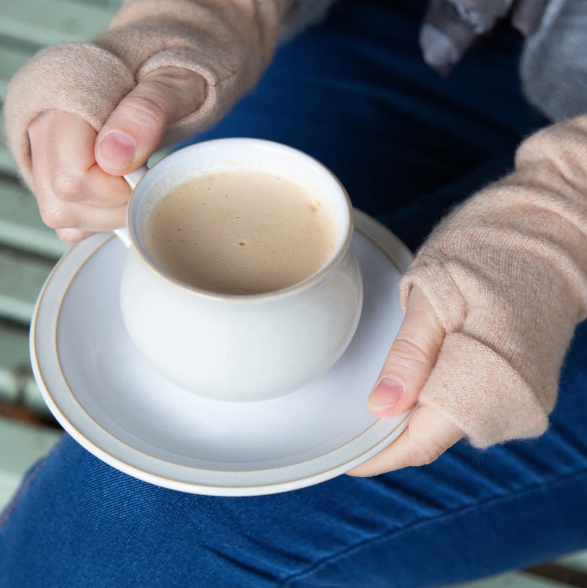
(408, 145)
(79, 522)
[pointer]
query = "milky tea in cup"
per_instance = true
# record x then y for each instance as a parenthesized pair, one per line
(241, 232)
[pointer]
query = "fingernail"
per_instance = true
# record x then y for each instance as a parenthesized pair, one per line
(386, 394)
(118, 149)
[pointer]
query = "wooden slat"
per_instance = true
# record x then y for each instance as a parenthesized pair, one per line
(107, 4)
(32, 398)
(576, 561)
(48, 22)
(14, 361)
(21, 225)
(32, 443)
(513, 580)
(21, 279)
(7, 165)
(17, 384)
(560, 574)
(13, 56)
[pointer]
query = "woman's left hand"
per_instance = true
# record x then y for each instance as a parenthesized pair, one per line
(408, 366)
(492, 300)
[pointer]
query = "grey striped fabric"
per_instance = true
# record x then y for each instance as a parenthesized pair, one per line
(554, 63)
(553, 66)
(451, 26)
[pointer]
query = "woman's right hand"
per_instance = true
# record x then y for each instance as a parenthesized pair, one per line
(77, 173)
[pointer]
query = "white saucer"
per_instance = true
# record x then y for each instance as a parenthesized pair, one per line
(114, 404)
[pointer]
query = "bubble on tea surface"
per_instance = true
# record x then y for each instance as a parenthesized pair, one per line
(288, 230)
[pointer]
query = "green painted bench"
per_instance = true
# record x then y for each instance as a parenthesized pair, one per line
(28, 249)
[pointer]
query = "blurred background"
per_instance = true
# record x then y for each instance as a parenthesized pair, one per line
(28, 249)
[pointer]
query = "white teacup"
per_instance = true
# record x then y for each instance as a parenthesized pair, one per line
(239, 348)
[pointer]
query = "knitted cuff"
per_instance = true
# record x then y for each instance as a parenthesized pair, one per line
(79, 78)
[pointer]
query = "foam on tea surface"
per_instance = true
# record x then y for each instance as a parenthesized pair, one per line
(241, 232)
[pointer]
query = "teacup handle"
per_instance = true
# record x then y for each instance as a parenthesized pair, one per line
(132, 180)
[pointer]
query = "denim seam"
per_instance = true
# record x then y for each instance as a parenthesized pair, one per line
(317, 566)
(14, 503)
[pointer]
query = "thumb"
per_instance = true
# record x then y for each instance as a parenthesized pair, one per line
(411, 359)
(135, 128)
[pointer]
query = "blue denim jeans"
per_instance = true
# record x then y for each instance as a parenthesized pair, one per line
(408, 144)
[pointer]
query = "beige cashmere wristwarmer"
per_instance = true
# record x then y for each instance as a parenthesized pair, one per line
(507, 275)
(228, 42)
